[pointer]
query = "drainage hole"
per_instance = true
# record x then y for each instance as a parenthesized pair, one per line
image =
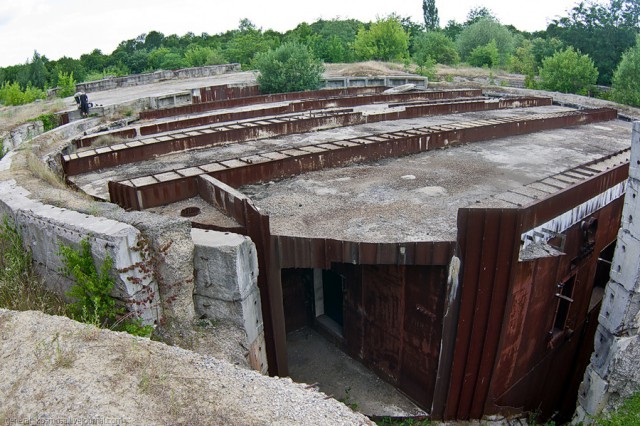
(190, 212)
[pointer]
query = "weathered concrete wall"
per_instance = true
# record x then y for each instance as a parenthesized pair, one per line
(226, 286)
(140, 79)
(44, 228)
(21, 134)
(390, 81)
(613, 374)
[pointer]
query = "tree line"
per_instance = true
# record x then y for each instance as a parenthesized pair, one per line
(594, 43)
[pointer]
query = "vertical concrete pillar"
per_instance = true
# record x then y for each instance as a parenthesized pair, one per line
(226, 287)
(612, 374)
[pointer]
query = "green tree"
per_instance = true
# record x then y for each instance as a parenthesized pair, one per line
(246, 43)
(602, 30)
(568, 72)
(438, 46)
(288, 68)
(95, 61)
(37, 75)
(66, 85)
(385, 40)
(199, 56)
(430, 13)
(484, 55)
(335, 39)
(626, 79)
(523, 61)
(544, 47)
(481, 33)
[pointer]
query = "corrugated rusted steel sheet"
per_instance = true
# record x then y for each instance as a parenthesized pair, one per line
(296, 161)
(133, 152)
(302, 252)
(253, 100)
(483, 235)
(393, 322)
(502, 357)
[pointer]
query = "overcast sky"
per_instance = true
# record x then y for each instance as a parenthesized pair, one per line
(57, 28)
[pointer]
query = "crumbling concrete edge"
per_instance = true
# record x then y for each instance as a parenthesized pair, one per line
(44, 228)
(612, 376)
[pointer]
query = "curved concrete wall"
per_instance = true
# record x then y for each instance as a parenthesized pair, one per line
(154, 77)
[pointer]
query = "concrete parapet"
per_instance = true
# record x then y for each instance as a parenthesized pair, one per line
(226, 286)
(141, 79)
(389, 81)
(44, 228)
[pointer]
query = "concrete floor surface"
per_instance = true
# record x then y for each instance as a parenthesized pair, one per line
(313, 359)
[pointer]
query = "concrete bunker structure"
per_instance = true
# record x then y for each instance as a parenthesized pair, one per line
(456, 244)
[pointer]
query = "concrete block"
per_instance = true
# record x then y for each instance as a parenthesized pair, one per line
(600, 359)
(619, 309)
(246, 313)
(624, 374)
(592, 395)
(630, 216)
(258, 355)
(252, 316)
(625, 268)
(226, 265)
(170, 241)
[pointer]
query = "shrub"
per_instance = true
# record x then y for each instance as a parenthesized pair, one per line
(92, 291)
(485, 55)
(626, 84)
(198, 56)
(49, 121)
(12, 94)
(288, 68)
(66, 85)
(481, 33)
(568, 72)
(385, 40)
(436, 45)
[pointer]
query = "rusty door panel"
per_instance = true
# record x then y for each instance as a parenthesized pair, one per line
(425, 289)
(383, 302)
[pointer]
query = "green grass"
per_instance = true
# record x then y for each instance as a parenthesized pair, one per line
(21, 289)
(626, 415)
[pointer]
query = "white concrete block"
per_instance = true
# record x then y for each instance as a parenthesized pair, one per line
(625, 268)
(226, 265)
(592, 395)
(619, 309)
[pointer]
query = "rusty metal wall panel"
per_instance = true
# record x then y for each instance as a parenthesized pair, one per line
(502, 351)
(380, 146)
(505, 255)
(383, 302)
(574, 195)
(486, 238)
(424, 306)
(135, 152)
(186, 123)
(253, 100)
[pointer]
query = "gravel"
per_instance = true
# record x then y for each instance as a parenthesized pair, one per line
(56, 370)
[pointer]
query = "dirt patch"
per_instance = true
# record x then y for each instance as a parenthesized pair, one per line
(55, 369)
(364, 69)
